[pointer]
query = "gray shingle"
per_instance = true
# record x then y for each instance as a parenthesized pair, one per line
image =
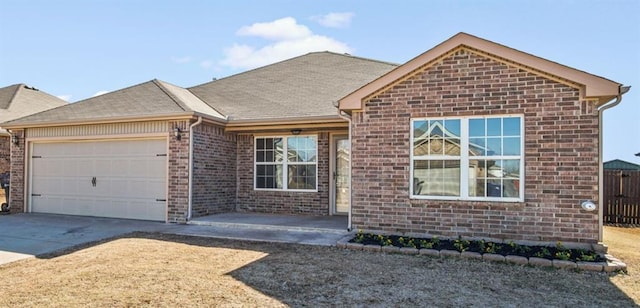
(299, 87)
(152, 98)
(18, 100)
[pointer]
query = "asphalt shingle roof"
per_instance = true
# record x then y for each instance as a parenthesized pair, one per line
(152, 98)
(18, 100)
(305, 86)
(299, 87)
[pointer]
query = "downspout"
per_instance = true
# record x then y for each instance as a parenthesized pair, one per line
(348, 118)
(191, 167)
(601, 110)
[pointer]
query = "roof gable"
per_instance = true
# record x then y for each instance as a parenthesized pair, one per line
(591, 86)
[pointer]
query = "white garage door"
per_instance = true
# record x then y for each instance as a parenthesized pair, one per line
(123, 179)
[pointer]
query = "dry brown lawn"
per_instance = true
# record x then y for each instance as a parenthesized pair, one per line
(170, 270)
(624, 243)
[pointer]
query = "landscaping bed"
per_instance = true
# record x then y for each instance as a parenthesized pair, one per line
(557, 256)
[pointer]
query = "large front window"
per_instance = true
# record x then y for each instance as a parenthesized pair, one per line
(288, 163)
(467, 158)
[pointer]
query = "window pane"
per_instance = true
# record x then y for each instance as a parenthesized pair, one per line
(511, 127)
(494, 146)
(436, 128)
(511, 146)
(302, 177)
(477, 147)
(511, 168)
(260, 143)
(511, 188)
(476, 128)
(494, 188)
(436, 178)
(268, 143)
(452, 127)
(494, 127)
(477, 188)
(278, 148)
(494, 169)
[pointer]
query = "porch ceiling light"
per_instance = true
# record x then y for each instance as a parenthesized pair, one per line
(296, 131)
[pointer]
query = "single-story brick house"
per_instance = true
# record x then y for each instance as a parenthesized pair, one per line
(470, 138)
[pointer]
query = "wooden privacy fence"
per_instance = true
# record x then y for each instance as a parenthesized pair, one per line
(621, 197)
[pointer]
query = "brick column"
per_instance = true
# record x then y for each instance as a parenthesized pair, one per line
(16, 190)
(178, 194)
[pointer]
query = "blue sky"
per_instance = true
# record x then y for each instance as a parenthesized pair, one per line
(77, 49)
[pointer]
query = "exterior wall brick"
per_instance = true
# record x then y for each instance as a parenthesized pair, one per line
(16, 185)
(178, 165)
(5, 154)
(281, 202)
(561, 154)
(214, 170)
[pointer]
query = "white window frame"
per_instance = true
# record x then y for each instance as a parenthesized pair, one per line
(285, 163)
(465, 158)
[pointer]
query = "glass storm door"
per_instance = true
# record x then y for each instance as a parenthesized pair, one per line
(341, 175)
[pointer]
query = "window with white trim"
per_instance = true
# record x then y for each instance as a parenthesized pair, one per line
(297, 170)
(468, 158)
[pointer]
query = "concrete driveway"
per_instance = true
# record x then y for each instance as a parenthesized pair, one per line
(28, 235)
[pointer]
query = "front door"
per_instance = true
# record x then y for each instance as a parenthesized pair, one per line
(341, 180)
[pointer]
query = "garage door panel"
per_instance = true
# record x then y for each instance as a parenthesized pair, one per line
(129, 178)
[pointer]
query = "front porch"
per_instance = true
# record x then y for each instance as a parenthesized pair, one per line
(331, 224)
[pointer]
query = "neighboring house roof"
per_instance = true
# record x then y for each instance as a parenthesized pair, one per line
(154, 98)
(19, 100)
(591, 86)
(301, 87)
(618, 164)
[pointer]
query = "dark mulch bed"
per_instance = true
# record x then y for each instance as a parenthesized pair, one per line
(547, 252)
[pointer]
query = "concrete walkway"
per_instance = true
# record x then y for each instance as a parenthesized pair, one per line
(29, 235)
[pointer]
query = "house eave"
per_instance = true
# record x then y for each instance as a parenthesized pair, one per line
(161, 117)
(311, 122)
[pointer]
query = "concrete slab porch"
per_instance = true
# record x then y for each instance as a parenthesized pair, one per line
(337, 224)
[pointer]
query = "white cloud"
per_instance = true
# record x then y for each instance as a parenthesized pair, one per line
(181, 60)
(100, 93)
(281, 29)
(290, 39)
(65, 97)
(334, 20)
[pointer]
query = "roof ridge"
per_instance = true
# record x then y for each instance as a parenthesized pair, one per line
(181, 104)
(291, 59)
(248, 71)
(356, 57)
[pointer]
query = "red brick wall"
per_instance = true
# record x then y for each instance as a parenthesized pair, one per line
(282, 202)
(561, 157)
(178, 190)
(5, 154)
(214, 170)
(16, 186)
